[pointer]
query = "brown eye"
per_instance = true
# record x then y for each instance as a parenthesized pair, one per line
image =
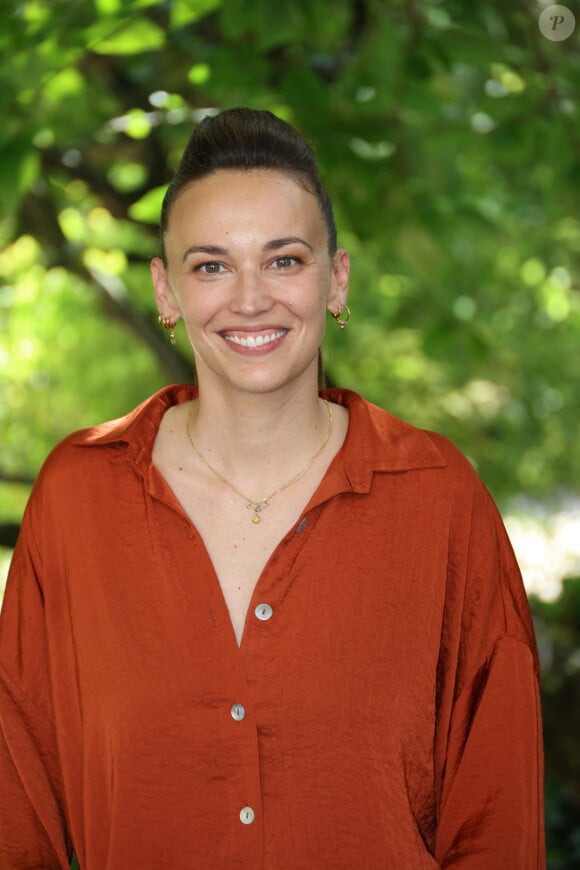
(285, 262)
(209, 268)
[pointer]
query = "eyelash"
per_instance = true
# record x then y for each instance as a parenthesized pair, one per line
(296, 260)
(203, 267)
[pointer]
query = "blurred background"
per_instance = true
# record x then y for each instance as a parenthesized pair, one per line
(449, 138)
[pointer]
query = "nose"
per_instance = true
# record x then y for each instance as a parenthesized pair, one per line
(250, 293)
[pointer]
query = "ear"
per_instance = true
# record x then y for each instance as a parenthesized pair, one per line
(338, 291)
(167, 303)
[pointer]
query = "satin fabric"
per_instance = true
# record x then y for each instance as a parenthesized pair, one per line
(389, 689)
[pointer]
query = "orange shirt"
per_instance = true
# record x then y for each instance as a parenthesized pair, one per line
(381, 712)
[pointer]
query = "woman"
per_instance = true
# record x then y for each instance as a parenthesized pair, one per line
(250, 624)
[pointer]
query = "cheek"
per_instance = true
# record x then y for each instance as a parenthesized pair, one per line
(197, 305)
(307, 307)
(312, 299)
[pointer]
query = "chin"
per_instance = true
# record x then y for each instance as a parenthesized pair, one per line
(257, 379)
(263, 383)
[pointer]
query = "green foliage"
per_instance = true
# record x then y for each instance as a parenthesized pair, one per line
(448, 137)
(558, 629)
(562, 828)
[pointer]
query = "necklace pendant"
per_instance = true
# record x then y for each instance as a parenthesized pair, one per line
(257, 507)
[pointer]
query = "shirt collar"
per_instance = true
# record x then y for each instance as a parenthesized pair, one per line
(140, 426)
(376, 440)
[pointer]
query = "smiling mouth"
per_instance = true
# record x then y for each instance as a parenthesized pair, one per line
(256, 340)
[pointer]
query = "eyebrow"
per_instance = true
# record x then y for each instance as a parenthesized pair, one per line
(273, 245)
(289, 240)
(204, 249)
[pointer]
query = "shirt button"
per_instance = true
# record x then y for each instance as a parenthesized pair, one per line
(247, 815)
(263, 612)
(301, 526)
(238, 712)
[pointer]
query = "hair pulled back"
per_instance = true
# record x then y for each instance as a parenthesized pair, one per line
(245, 139)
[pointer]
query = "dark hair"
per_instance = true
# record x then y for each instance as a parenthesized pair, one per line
(245, 139)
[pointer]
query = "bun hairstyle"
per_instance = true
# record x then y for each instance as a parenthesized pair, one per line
(245, 139)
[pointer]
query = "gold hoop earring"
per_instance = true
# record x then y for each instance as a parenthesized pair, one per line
(166, 323)
(342, 321)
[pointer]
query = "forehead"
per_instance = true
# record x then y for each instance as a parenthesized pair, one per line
(234, 200)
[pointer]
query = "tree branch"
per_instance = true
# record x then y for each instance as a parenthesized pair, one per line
(40, 220)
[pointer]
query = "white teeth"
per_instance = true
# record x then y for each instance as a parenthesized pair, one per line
(258, 341)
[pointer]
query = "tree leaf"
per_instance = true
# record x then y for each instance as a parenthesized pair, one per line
(125, 38)
(148, 208)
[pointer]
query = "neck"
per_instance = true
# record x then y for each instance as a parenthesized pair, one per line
(253, 437)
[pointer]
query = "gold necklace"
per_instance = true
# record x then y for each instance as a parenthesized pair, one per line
(259, 505)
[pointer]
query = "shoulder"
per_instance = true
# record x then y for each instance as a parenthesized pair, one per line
(87, 450)
(386, 443)
(456, 462)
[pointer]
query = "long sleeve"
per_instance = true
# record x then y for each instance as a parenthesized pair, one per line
(490, 739)
(32, 828)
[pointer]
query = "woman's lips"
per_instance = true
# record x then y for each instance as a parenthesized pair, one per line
(252, 342)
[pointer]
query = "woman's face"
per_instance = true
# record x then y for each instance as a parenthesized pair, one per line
(249, 271)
